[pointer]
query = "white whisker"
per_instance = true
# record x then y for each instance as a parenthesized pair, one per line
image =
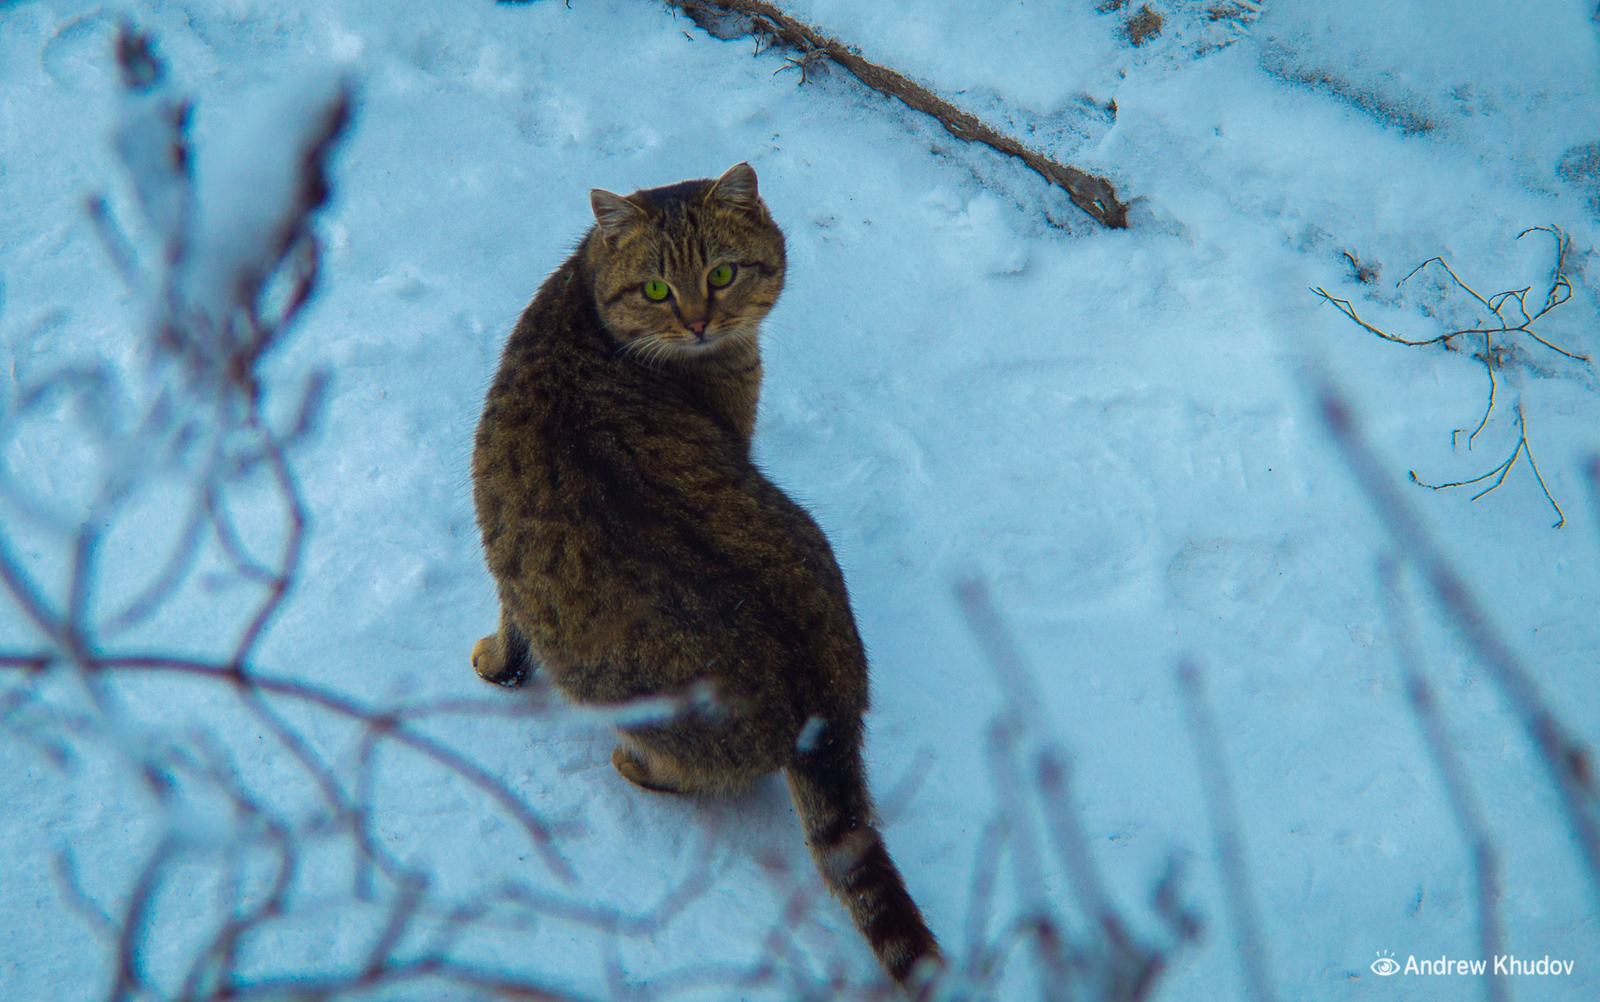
(648, 350)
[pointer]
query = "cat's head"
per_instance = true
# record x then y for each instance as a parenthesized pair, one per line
(685, 271)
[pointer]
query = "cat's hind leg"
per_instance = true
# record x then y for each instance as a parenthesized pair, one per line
(647, 764)
(636, 769)
(504, 657)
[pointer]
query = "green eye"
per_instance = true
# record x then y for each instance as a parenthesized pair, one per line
(721, 275)
(656, 290)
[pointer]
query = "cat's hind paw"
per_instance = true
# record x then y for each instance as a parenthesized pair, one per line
(491, 666)
(636, 772)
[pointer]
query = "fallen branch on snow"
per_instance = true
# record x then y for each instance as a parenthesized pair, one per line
(731, 18)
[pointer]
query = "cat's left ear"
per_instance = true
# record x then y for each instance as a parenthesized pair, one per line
(615, 214)
(738, 186)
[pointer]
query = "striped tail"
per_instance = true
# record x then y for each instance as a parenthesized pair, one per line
(829, 788)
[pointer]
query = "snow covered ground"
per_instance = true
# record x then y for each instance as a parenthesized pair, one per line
(965, 376)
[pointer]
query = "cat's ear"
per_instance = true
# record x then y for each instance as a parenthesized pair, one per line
(615, 214)
(738, 186)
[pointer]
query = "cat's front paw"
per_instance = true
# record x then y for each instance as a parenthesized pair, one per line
(490, 664)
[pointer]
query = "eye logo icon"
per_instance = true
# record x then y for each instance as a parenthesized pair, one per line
(1384, 966)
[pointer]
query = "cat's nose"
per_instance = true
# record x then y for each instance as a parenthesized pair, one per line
(699, 328)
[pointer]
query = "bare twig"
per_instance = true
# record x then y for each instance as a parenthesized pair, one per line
(289, 561)
(1118, 966)
(1502, 470)
(1185, 924)
(981, 961)
(1493, 355)
(1006, 733)
(130, 977)
(383, 724)
(1591, 472)
(66, 871)
(427, 969)
(803, 63)
(612, 920)
(905, 789)
(1344, 306)
(1054, 971)
(401, 911)
(1023, 698)
(178, 562)
(114, 242)
(1132, 969)
(27, 594)
(1222, 805)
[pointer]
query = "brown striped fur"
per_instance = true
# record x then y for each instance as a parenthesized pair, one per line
(638, 551)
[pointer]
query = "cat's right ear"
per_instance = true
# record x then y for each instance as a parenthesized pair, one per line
(615, 214)
(738, 186)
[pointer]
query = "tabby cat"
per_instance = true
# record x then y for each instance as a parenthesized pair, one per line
(639, 552)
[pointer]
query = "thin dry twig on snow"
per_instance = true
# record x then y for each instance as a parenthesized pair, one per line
(1503, 469)
(1094, 195)
(1493, 354)
(1566, 760)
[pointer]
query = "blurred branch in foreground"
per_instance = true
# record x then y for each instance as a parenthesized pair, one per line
(1566, 760)
(1463, 802)
(1102, 962)
(235, 263)
(1222, 805)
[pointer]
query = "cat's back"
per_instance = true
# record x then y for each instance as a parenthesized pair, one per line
(567, 412)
